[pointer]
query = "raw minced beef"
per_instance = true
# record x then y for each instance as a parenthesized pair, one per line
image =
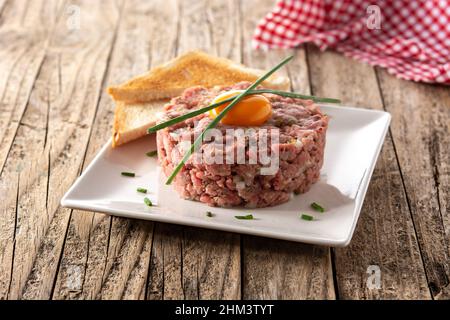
(302, 130)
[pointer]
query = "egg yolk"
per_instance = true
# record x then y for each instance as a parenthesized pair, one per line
(252, 110)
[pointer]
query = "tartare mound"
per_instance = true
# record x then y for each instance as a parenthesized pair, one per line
(301, 128)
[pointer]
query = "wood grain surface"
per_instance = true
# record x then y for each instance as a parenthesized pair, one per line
(56, 59)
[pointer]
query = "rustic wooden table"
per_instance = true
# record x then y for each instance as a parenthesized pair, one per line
(56, 58)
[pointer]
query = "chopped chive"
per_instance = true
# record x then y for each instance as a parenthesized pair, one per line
(148, 202)
(128, 174)
(307, 217)
(317, 207)
(209, 214)
(141, 190)
(152, 153)
(222, 114)
(247, 217)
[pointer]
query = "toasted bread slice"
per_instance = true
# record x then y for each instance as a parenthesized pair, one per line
(132, 120)
(138, 100)
(190, 69)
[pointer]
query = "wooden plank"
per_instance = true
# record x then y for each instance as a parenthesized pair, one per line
(136, 285)
(26, 159)
(275, 269)
(384, 236)
(113, 268)
(89, 259)
(2, 6)
(22, 51)
(166, 265)
(212, 26)
(8, 188)
(420, 129)
(70, 278)
(211, 265)
(128, 259)
(21, 56)
(113, 258)
(68, 85)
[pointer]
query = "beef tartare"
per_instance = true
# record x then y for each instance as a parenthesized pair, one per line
(301, 130)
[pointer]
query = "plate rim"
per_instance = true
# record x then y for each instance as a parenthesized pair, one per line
(345, 241)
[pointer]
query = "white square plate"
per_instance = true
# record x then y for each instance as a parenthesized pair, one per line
(354, 140)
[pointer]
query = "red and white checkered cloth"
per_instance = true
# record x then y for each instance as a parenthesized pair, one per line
(411, 38)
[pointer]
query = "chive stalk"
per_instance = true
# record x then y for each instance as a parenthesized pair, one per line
(148, 202)
(307, 217)
(128, 174)
(317, 207)
(152, 153)
(247, 217)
